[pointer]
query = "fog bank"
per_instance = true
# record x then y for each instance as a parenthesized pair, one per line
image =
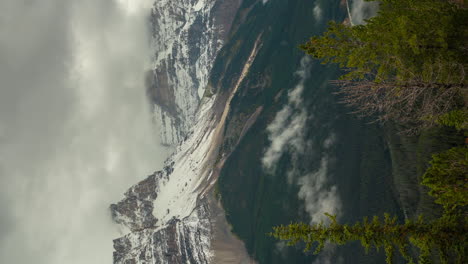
(75, 125)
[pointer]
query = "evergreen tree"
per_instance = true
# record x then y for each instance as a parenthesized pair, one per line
(406, 38)
(407, 63)
(448, 178)
(445, 236)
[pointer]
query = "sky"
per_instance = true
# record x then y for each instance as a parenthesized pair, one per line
(75, 125)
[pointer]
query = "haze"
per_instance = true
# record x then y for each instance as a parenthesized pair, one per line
(75, 125)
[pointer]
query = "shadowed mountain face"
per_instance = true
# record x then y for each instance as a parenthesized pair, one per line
(186, 36)
(304, 154)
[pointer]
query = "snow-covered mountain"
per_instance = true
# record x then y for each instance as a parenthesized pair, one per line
(172, 193)
(170, 214)
(170, 217)
(186, 36)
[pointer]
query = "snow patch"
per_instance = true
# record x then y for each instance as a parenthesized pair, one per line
(178, 194)
(200, 4)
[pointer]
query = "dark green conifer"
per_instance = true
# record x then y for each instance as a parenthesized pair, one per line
(445, 236)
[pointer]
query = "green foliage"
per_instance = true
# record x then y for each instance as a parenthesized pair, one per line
(448, 177)
(407, 38)
(456, 118)
(445, 236)
(412, 49)
(406, 64)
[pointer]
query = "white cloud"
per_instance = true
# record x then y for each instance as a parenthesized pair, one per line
(361, 10)
(287, 132)
(319, 198)
(329, 141)
(75, 127)
(282, 248)
(318, 11)
(328, 256)
(287, 128)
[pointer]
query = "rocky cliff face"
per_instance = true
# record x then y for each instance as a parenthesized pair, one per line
(179, 241)
(167, 214)
(171, 215)
(186, 36)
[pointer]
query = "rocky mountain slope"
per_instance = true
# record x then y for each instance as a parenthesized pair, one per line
(172, 216)
(168, 223)
(169, 214)
(186, 36)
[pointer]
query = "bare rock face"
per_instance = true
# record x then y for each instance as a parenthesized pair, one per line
(186, 240)
(168, 219)
(180, 241)
(186, 36)
(136, 210)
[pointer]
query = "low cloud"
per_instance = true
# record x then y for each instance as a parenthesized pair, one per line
(287, 133)
(75, 126)
(328, 256)
(361, 10)
(282, 248)
(287, 130)
(318, 196)
(318, 11)
(321, 197)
